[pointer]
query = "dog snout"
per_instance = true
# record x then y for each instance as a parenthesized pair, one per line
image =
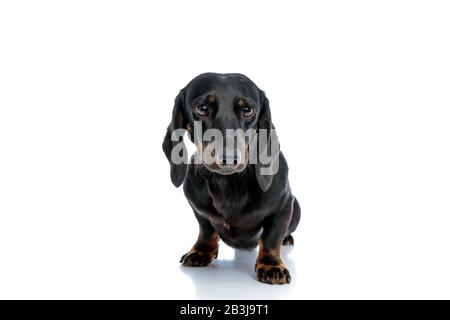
(224, 161)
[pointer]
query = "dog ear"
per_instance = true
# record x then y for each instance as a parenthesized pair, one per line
(265, 123)
(174, 149)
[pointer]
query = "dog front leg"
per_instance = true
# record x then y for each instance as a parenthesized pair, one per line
(206, 247)
(270, 267)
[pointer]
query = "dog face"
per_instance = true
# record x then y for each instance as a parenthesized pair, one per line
(227, 105)
(231, 106)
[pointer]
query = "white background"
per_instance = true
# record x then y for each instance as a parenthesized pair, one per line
(360, 97)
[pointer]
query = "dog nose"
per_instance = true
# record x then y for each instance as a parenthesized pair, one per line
(229, 160)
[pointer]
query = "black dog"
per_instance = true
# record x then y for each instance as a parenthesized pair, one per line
(232, 199)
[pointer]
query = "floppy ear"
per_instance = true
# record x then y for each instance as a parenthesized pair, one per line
(178, 160)
(265, 122)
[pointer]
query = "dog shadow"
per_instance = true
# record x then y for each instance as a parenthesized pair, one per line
(236, 278)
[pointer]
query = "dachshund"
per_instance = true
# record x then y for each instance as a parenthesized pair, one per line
(232, 198)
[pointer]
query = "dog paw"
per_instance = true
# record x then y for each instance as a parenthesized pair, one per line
(196, 258)
(288, 241)
(278, 274)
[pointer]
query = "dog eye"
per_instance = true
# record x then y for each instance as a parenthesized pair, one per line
(203, 110)
(247, 111)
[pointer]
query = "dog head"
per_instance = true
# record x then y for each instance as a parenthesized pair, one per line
(221, 113)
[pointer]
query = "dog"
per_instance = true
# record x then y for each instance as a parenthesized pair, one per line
(231, 198)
